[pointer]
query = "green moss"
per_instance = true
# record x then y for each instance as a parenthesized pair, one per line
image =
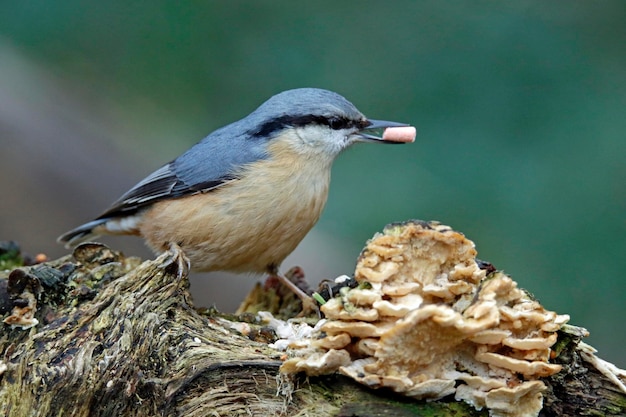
(411, 409)
(10, 255)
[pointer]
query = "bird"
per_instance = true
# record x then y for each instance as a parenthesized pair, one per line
(243, 198)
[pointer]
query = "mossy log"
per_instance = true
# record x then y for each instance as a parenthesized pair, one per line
(99, 334)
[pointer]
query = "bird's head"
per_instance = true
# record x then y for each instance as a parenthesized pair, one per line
(317, 121)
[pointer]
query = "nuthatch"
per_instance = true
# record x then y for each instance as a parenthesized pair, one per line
(243, 198)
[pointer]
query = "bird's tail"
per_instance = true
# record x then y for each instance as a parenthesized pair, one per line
(117, 225)
(81, 234)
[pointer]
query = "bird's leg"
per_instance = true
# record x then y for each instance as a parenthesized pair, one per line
(308, 303)
(178, 257)
(296, 276)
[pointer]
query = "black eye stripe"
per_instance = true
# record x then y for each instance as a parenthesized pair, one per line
(335, 123)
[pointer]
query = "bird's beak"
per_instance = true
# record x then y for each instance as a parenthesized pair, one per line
(392, 132)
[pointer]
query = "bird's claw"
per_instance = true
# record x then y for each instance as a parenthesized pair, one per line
(176, 257)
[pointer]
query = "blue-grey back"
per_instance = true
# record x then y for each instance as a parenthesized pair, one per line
(219, 156)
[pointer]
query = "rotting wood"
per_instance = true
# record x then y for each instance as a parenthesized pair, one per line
(118, 337)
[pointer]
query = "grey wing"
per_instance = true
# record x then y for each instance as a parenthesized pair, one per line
(162, 183)
(207, 165)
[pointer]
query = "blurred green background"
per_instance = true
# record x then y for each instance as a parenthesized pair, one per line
(520, 109)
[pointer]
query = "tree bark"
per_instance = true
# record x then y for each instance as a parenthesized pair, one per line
(111, 336)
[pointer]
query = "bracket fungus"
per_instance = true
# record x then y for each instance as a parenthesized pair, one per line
(426, 321)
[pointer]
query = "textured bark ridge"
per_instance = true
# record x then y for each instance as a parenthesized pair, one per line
(99, 334)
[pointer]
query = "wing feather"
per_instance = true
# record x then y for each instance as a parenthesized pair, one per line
(215, 160)
(161, 184)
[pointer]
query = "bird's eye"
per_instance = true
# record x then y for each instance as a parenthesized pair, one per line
(336, 123)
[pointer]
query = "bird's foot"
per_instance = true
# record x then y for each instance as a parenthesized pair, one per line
(177, 259)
